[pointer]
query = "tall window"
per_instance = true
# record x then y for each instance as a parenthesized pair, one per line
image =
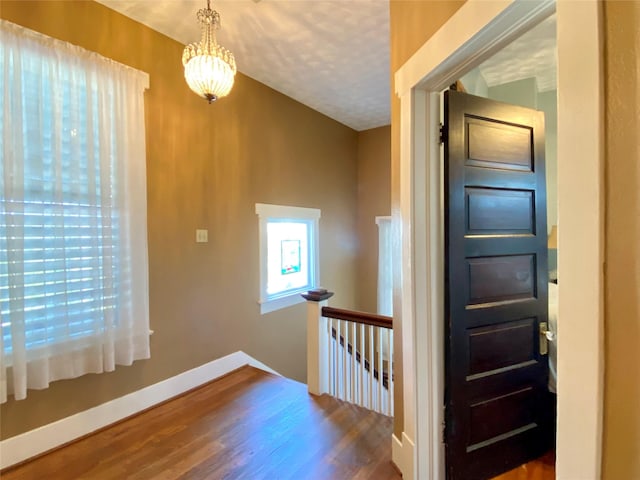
(73, 251)
(385, 266)
(385, 277)
(288, 254)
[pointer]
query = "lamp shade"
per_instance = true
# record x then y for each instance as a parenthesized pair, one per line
(209, 76)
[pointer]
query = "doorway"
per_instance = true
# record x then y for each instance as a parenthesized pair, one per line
(501, 373)
(473, 34)
(496, 361)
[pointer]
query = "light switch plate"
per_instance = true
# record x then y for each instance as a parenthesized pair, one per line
(202, 236)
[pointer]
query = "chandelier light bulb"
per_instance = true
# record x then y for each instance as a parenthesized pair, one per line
(209, 69)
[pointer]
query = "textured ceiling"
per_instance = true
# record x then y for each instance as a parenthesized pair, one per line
(332, 56)
(531, 55)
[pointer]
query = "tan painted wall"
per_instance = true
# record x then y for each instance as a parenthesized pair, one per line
(412, 24)
(374, 199)
(207, 165)
(621, 457)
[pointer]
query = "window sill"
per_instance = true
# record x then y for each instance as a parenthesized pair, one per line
(268, 306)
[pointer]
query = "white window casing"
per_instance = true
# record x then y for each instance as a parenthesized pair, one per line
(274, 298)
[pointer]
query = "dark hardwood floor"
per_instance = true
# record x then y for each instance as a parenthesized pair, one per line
(246, 425)
(543, 468)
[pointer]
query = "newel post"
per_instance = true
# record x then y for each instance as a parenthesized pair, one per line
(317, 342)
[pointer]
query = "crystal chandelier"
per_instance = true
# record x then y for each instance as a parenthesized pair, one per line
(209, 69)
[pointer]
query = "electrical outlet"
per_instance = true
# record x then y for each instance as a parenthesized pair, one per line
(202, 236)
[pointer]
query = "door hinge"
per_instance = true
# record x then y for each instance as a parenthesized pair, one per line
(442, 134)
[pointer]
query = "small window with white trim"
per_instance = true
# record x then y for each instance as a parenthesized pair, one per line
(288, 254)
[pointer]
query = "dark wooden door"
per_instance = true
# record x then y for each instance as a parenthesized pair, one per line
(496, 287)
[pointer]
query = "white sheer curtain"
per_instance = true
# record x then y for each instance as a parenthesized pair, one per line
(385, 275)
(385, 271)
(73, 239)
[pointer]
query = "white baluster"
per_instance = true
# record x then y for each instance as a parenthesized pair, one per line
(361, 366)
(390, 383)
(332, 367)
(354, 364)
(337, 371)
(349, 343)
(345, 361)
(338, 361)
(380, 383)
(371, 364)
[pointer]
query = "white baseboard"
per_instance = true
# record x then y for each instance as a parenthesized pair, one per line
(403, 455)
(39, 440)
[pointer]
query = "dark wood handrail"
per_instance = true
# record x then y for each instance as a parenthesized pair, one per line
(358, 317)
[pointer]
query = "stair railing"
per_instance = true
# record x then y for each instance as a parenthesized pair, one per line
(349, 354)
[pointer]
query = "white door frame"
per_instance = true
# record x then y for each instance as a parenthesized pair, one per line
(476, 31)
